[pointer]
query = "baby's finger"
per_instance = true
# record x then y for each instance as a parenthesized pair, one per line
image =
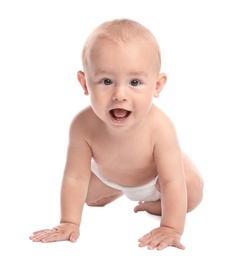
(40, 231)
(60, 236)
(145, 240)
(54, 236)
(144, 237)
(73, 237)
(41, 235)
(163, 244)
(166, 242)
(177, 244)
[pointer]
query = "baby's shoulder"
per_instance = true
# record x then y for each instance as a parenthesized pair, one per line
(162, 125)
(84, 114)
(83, 120)
(160, 118)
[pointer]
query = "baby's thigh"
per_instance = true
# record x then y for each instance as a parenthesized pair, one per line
(194, 183)
(98, 190)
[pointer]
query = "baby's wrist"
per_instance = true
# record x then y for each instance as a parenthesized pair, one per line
(69, 223)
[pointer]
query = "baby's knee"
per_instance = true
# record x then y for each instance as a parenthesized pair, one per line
(96, 204)
(104, 200)
(195, 194)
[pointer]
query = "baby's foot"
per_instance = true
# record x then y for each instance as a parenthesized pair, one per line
(152, 207)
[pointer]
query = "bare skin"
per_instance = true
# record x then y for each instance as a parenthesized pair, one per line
(130, 139)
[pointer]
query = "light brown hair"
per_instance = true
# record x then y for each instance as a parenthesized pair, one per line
(120, 31)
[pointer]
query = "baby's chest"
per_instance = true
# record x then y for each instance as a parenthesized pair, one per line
(135, 154)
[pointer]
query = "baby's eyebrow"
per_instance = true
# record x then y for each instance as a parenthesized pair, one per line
(102, 72)
(137, 73)
(110, 73)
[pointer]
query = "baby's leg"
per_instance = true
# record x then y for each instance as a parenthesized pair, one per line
(194, 184)
(152, 207)
(99, 194)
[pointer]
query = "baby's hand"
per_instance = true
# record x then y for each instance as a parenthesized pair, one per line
(64, 231)
(161, 238)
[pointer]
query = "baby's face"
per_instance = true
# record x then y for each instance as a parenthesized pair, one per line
(121, 81)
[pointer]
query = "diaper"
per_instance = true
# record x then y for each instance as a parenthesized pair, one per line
(146, 192)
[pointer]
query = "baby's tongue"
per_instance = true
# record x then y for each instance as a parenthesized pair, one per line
(120, 112)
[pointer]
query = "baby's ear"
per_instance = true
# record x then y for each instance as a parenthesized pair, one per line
(82, 81)
(162, 78)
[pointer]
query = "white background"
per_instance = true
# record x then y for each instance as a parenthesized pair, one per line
(40, 47)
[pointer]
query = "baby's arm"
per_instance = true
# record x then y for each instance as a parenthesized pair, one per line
(74, 189)
(168, 157)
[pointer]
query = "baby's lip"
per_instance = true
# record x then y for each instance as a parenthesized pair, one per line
(119, 113)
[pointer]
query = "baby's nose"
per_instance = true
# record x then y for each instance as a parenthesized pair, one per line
(119, 94)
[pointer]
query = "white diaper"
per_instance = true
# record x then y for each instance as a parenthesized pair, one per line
(147, 192)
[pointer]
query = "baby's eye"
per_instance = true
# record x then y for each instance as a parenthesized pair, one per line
(106, 82)
(134, 83)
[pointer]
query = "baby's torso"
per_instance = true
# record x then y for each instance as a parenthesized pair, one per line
(127, 163)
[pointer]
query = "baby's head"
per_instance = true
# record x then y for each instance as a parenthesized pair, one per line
(120, 31)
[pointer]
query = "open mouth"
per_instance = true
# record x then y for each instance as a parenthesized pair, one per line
(119, 114)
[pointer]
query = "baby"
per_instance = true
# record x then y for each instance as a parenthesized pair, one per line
(123, 143)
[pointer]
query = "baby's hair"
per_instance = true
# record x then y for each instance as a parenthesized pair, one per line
(120, 31)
